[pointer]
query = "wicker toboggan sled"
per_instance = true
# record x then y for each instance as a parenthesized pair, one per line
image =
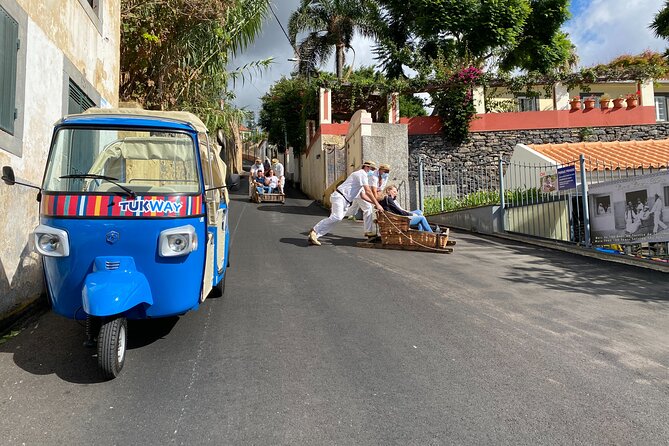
(395, 233)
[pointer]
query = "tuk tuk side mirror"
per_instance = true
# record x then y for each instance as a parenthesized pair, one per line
(8, 175)
(10, 179)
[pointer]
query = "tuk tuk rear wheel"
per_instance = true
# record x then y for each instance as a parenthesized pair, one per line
(112, 343)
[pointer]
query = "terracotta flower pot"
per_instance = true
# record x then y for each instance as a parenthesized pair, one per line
(618, 103)
(604, 103)
(575, 105)
(589, 104)
(631, 102)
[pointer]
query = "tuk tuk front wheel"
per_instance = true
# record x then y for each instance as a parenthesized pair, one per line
(112, 343)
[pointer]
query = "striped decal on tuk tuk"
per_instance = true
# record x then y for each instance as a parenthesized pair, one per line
(115, 206)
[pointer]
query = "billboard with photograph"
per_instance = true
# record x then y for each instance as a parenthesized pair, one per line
(630, 210)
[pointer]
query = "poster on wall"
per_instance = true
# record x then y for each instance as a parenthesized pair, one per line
(548, 181)
(630, 210)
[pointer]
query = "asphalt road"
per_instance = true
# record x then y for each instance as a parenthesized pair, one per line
(498, 343)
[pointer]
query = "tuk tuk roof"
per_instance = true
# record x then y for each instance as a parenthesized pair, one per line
(183, 117)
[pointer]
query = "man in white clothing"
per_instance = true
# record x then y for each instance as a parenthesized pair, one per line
(253, 173)
(377, 182)
(279, 172)
(341, 199)
(657, 214)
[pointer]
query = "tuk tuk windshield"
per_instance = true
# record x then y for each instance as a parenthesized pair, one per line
(113, 160)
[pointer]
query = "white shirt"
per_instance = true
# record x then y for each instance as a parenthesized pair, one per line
(254, 169)
(374, 182)
(352, 185)
(273, 181)
(657, 206)
(278, 169)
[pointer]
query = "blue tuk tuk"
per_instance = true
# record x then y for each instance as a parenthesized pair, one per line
(133, 221)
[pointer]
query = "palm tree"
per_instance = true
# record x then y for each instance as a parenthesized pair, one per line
(660, 23)
(330, 26)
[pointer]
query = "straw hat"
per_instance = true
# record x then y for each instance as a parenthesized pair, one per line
(385, 167)
(371, 164)
(275, 160)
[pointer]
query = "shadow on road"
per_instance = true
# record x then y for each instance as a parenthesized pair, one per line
(54, 345)
(312, 209)
(329, 239)
(559, 271)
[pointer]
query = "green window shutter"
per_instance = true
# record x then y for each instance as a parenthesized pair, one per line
(9, 46)
(78, 101)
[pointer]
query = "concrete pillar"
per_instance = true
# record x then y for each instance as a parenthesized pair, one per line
(393, 108)
(359, 126)
(560, 97)
(325, 105)
(647, 93)
(478, 94)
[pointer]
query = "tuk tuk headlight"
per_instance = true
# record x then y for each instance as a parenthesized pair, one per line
(177, 241)
(51, 242)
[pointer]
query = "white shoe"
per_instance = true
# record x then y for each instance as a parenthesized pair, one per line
(313, 238)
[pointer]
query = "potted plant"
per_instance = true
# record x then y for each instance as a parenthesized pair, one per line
(604, 101)
(589, 103)
(632, 100)
(618, 102)
(575, 103)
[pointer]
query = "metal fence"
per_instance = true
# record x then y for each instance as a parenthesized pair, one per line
(452, 186)
(534, 198)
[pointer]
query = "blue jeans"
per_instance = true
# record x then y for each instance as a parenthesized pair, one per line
(263, 189)
(421, 222)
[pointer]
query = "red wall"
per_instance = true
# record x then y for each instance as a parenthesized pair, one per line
(553, 119)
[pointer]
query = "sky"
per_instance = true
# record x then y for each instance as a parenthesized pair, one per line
(600, 29)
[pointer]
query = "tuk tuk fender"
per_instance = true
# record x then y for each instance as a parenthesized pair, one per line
(114, 287)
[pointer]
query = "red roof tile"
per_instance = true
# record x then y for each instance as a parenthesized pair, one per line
(610, 155)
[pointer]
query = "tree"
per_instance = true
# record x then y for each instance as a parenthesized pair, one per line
(660, 23)
(330, 26)
(285, 110)
(507, 34)
(174, 53)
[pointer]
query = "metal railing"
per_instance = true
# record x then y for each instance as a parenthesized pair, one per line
(543, 200)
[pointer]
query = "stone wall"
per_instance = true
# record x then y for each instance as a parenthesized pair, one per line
(485, 147)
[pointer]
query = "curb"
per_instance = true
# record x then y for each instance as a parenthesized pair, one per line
(585, 252)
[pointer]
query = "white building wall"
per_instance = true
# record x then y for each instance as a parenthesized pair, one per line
(60, 40)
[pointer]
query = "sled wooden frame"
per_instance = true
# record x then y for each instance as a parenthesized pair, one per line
(267, 198)
(395, 234)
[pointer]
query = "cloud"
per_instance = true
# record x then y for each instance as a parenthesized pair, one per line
(600, 29)
(604, 29)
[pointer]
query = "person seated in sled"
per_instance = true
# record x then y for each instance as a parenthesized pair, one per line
(259, 182)
(272, 181)
(389, 204)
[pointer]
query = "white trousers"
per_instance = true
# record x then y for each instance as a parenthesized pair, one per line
(337, 212)
(367, 213)
(657, 222)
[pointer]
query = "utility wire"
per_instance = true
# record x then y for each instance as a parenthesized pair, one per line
(282, 28)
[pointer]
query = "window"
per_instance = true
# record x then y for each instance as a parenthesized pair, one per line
(78, 101)
(9, 47)
(661, 108)
(666, 196)
(527, 103)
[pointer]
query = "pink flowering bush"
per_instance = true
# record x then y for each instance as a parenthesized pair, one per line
(455, 103)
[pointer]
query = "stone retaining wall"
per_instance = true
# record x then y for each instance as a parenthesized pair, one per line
(485, 147)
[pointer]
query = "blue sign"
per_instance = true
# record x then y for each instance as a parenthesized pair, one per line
(566, 177)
